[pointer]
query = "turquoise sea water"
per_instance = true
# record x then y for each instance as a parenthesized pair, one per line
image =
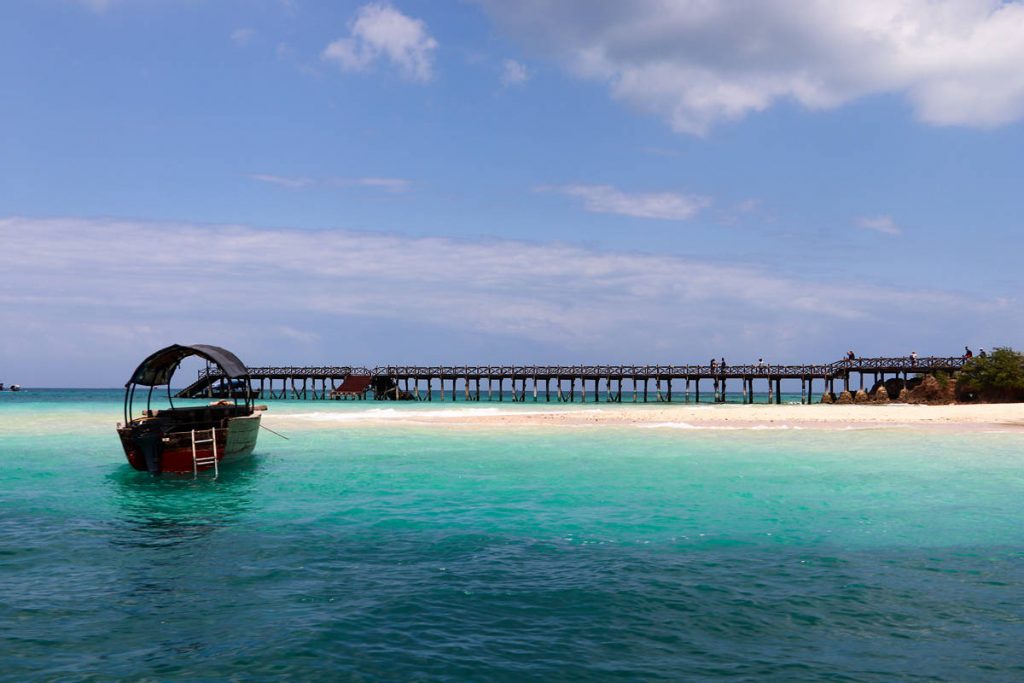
(426, 553)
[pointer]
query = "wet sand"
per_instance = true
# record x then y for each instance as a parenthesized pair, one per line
(946, 417)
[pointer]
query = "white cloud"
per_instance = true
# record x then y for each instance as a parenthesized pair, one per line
(671, 206)
(93, 293)
(301, 336)
(380, 31)
(282, 181)
(697, 63)
(883, 224)
(741, 212)
(662, 152)
(242, 36)
(385, 275)
(97, 6)
(513, 72)
(395, 185)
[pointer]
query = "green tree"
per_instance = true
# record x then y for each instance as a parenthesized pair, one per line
(998, 378)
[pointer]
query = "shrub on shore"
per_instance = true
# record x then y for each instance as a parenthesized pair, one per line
(999, 378)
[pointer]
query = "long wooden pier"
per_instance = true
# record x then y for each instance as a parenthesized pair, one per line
(758, 382)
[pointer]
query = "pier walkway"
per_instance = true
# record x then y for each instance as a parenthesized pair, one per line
(575, 383)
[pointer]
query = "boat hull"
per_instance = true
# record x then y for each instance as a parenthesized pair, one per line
(172, 452)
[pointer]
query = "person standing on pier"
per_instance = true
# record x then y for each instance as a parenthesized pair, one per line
(723, 363)
(713, 365)
(913, 358)
(968, 354)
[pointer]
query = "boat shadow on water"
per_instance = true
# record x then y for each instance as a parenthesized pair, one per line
(171, 509)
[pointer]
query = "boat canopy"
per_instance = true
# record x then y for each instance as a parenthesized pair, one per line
(157, 369)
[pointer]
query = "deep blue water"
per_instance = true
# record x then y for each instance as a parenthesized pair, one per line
(425, 553)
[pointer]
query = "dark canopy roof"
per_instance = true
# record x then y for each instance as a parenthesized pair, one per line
(158, 368)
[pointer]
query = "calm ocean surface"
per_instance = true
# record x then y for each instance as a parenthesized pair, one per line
(401, 553)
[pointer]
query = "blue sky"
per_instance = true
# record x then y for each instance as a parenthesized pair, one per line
(575, 181)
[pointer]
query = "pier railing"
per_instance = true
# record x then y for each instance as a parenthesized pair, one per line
(285, 371)
(757, 370)
(322, 382)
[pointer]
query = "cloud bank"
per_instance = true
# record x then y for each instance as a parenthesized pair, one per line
(88, 290)
(697, 63)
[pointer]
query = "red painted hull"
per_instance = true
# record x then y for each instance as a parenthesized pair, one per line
(235, 441)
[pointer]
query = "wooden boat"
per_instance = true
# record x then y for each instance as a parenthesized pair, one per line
(188, 439)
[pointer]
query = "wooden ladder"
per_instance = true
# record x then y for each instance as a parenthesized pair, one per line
(203, 461)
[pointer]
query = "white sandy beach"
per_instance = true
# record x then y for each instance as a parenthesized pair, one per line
(955, 417)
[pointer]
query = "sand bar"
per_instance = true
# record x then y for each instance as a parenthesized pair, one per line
(956, 417)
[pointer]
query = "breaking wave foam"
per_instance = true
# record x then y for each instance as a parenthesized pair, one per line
(717, 427)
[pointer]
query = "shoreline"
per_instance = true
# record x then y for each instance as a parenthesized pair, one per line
(970, 417)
